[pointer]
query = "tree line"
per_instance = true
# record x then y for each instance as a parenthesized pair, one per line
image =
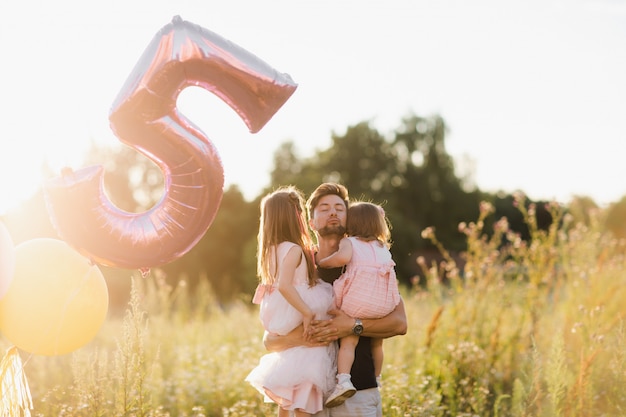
(408, 171)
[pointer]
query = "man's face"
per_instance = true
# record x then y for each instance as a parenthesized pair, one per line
(329, 216)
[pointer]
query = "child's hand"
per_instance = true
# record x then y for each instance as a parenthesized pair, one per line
(306, 322)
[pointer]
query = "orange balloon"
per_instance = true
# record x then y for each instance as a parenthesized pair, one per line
(57, 300)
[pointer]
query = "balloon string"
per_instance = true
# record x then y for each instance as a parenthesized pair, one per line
(16, 399)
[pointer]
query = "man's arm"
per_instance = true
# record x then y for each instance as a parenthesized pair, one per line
(393, 324)
(277, 343)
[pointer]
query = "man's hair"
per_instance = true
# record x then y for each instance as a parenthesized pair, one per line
(327, 188)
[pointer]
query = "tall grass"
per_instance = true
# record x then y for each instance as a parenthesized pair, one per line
(523, 328)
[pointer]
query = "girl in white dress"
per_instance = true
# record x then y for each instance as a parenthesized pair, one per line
(298, 379)
(368, 288)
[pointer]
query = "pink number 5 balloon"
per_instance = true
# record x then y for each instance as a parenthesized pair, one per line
(145, 117)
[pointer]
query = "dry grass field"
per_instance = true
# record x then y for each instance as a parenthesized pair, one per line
(527, 328)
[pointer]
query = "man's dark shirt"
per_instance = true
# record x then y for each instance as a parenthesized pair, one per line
(362, 372)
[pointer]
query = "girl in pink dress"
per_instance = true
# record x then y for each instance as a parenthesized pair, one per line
(297, 379)
(367, 289)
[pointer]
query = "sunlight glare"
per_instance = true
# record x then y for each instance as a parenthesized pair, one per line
(24, 168)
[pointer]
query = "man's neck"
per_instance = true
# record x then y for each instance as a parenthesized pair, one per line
(327, 245)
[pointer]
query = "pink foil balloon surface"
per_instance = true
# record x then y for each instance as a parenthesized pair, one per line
(145, 117)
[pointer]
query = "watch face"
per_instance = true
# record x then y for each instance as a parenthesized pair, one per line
(357, 329)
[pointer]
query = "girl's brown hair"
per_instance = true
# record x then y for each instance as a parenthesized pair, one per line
(282, 220)
(368, 221)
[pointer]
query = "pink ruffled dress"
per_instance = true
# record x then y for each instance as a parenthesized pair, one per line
(368, 289)
(299, 377)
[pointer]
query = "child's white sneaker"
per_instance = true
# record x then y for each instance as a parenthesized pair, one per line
(340, 394)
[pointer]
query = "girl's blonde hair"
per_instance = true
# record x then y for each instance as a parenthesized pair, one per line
(283, 219)
(368, 221)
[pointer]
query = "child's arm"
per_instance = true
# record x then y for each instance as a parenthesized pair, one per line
(285, 284)
(339, 258)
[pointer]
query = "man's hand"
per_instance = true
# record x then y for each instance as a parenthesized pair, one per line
(326, 331)
(340, 325)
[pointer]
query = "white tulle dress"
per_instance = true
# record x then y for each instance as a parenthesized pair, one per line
(299, 377)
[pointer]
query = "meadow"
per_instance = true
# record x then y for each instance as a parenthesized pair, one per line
(522, 328)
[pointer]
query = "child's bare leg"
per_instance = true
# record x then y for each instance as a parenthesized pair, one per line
(300, 413)
(344, 388)
(345, 358)
(377, 355)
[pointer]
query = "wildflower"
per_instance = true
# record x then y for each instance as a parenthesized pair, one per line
(502, 225)
(486, 208)
(568, 219)
(428, 233)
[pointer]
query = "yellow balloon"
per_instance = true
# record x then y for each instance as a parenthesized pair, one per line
(57, 300)
(7, 259)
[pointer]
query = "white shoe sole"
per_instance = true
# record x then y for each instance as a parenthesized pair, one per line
(339, 399)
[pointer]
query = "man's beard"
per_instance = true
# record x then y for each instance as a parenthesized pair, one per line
(332, 230)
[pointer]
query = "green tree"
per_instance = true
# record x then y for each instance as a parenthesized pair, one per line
(430, 193)
(410, 173)
(287, 166)
(222, 255)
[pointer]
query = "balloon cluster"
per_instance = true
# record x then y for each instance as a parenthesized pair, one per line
(57, 303)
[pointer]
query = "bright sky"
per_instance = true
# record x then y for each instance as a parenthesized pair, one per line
(533, 91)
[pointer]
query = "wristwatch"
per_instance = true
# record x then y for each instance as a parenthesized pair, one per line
(357, 329)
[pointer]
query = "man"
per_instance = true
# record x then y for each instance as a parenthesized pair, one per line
(327, 210)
